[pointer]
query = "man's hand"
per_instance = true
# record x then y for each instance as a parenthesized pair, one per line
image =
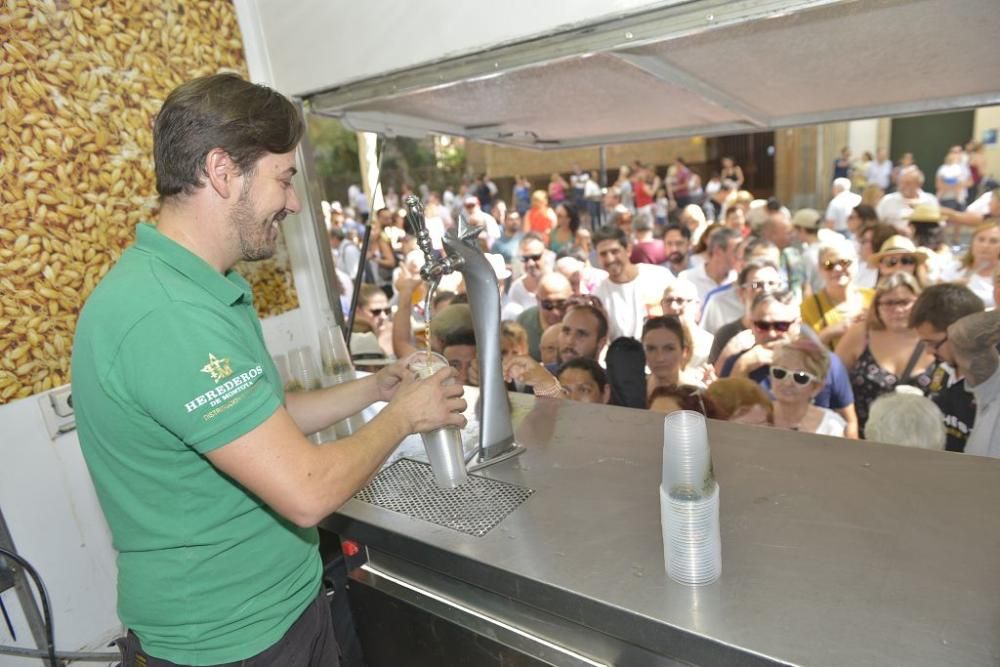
(388, 379)
(527, 371)
(424, 405)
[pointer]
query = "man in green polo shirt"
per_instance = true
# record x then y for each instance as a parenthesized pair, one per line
(209, 486)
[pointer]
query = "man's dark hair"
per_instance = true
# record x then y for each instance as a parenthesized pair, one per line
(337, 233)
(244, 119)
(588, 365)
(610, 233)
(754, 265)
(685, 232)
(944, 304)
(866, 213)
(773, 204)
(459, 337)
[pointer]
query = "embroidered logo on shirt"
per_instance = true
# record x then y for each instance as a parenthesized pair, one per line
(224, 395)
(218, 368)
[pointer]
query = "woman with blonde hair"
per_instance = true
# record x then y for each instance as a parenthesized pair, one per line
(976, 268)
(831, 310)
(693, 217)
(797, 375)
(884, 351)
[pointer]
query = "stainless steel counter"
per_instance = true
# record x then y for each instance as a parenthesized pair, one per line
(835, 552)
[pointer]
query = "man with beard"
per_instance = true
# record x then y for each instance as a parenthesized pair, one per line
(677, 246)
(210, 488)
(583, 333)
(631, 292)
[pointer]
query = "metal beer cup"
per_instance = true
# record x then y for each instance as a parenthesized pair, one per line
(443, 445)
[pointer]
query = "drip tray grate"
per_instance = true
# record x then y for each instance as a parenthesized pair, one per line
(474, 508)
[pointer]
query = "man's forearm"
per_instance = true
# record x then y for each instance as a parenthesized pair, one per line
(316, 410)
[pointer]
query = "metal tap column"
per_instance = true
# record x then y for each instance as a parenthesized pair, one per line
(496, 433)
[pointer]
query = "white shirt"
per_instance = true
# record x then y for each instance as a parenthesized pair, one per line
(981, 205)
(895, 210)
(723, 306)
(831, 424)
(840, 207)
(703, 282)
(629, 304)
(879, 173)
(984, 441)
(701, 345)
(518, 294)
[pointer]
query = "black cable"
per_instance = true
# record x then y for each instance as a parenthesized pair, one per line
(46, 609)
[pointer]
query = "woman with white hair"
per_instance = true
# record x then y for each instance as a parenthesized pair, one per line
(906, 417)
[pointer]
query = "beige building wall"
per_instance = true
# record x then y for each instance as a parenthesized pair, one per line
(504, 162)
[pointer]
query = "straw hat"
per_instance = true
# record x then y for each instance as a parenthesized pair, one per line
(925, 213)
(807, 218)
(896, 245)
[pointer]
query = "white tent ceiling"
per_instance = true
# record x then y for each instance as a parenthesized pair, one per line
(695, 68)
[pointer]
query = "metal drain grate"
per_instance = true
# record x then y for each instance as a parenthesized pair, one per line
(475, 508)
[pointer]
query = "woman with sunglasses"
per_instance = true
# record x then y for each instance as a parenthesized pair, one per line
(797, 375)
(976, 268)
(898, 254)
(884, 351)
(830, 311)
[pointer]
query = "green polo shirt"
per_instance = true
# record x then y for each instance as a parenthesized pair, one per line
(169, 363)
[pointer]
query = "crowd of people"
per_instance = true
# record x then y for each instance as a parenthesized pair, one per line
(666, 293)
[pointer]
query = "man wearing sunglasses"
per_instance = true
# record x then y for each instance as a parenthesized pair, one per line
(774, 321)
(936, 309)
(531, 257)
(552, 294)
(757, 277)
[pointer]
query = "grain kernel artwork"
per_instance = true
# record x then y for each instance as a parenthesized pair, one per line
(80, 85)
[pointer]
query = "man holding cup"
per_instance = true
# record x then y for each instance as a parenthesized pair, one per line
(198, 457)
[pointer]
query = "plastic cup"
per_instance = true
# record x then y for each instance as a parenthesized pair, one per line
(687, 460)
(336, 360)
(443, 445)
(692, 548)
(304, 370)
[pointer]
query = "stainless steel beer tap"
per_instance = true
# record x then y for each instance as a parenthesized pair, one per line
(462, 254)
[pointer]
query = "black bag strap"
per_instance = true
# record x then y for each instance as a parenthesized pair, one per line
(918, 352)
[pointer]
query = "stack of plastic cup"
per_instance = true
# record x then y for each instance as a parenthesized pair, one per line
(689, 502)
(337, 369)
(443, 445)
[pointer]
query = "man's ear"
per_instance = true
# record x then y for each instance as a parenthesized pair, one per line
(607, 393)
(221, 172)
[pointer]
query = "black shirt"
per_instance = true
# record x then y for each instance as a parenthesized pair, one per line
(959, 407)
